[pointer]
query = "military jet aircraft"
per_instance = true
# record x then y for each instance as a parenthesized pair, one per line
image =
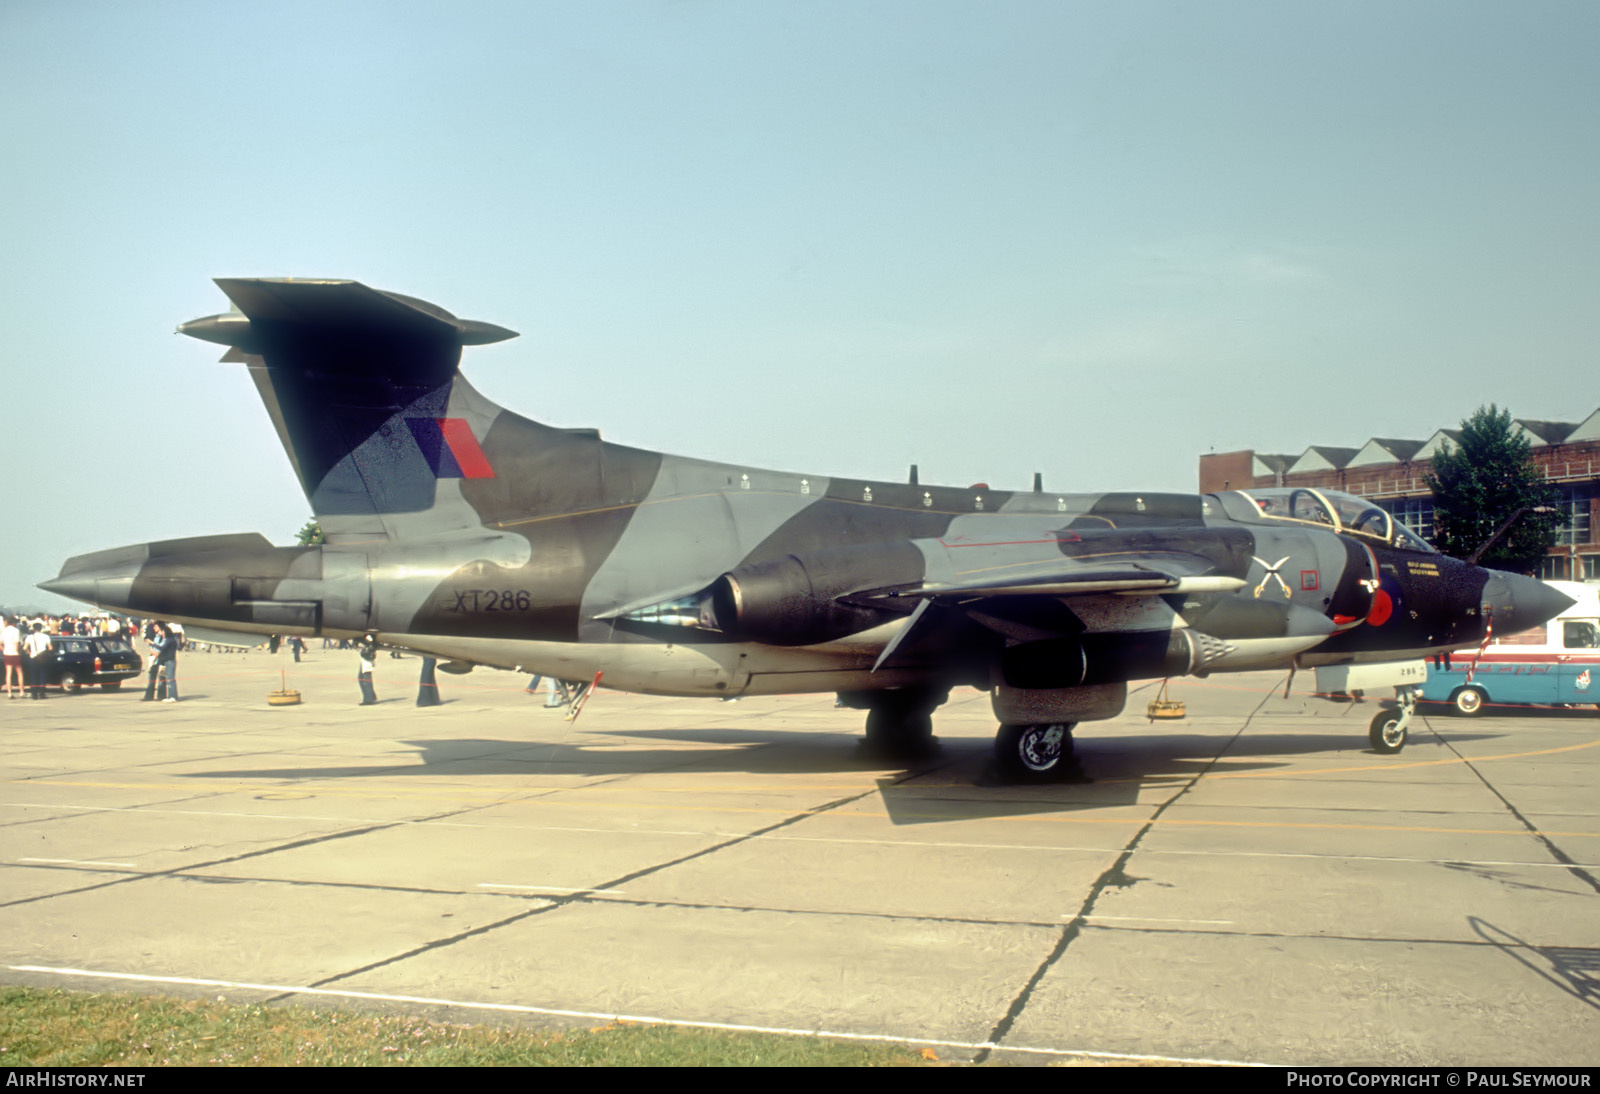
(461, 530)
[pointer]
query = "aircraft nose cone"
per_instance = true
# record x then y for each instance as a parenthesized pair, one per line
(1521, 602)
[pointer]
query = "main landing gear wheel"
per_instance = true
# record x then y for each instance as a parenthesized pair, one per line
(1040, 753)
(900, 723)
(1387, 733)
(899, 734)
(1469, 701)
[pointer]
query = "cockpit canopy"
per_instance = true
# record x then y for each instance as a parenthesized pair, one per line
(1333, 510)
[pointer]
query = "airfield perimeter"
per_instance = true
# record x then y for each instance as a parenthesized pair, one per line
(1251, 884)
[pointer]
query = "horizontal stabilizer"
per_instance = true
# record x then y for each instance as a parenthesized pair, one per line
(347, 307)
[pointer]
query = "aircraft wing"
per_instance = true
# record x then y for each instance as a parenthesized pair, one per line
(1063, 565)
(1024, 588)
(1131, 580)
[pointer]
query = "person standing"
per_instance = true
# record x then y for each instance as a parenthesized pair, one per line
(368, 652)
(167, 649)
(37, 647)
(297, 646)
(11, 650)
(152, 638)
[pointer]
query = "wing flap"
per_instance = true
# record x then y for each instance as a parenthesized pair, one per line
(1129, 581)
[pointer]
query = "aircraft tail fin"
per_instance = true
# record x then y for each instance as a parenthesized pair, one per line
(362, 386)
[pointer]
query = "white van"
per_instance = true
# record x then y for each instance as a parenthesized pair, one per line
(1556, 663)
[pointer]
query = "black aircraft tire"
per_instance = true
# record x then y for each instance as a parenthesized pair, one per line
(897, 734)
(1386, 734)
(1035, 753)
(1469, 702)
(69, 682)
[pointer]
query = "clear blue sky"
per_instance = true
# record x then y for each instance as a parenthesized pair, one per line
(1091, 239)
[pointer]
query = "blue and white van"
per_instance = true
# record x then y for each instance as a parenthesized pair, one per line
(1558, 663)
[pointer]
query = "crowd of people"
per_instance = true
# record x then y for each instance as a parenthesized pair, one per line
(22, 646)
(27, 647)
(106, 626)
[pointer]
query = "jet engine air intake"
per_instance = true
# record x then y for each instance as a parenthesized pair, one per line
(800, 600)
(778, 603)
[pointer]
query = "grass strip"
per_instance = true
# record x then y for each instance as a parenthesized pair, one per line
(55, 1028)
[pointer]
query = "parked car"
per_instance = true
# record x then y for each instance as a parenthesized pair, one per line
(80, 660)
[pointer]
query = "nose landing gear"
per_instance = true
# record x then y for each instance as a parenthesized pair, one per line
(1388, 732)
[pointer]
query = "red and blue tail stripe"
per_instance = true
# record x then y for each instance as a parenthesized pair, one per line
(450, 448)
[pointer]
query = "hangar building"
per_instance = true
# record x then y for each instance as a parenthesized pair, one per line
(1390, 472)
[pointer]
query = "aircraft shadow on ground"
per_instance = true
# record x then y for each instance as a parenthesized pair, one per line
(1573, 969)
(957, 783)
(796, 752)
(756, 752)
(1336, 742)
(752, 753)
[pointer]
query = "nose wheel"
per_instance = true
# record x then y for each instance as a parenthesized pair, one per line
(1388, 732)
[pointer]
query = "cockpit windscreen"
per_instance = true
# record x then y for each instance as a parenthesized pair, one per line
(1337, 511)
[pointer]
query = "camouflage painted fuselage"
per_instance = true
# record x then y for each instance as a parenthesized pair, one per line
(462, 530)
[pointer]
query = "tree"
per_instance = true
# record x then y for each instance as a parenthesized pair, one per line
(310, 535)
(1479, 483)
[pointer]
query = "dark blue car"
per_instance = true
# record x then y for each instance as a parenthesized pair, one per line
(79, 660)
